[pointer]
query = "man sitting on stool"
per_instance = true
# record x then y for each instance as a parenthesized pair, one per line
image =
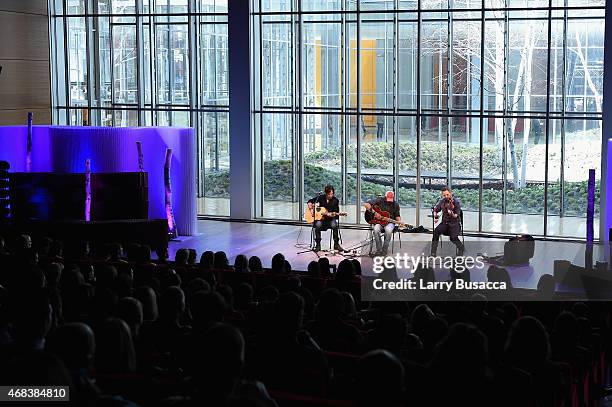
(387, 204)
(332, 204)
(451, 221)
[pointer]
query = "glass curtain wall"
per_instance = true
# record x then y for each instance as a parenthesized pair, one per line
(499, 99)
(148, 62)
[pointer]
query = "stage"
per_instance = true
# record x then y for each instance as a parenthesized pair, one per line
(265, 240)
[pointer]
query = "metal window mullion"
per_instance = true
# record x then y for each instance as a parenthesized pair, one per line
(90, 60)
(67, 64)
(261, 116)
(449, 99)
(193, 33)
(395, 98)
(111, 33)
(483, 123)
(297, 92)
(505, 112)
(343, 100)
(140, 79)
(358, 122)
(547, 120)
(152, 65)
(418, 113)
(563, 113)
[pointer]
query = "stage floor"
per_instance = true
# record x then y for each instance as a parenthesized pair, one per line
(265, 240)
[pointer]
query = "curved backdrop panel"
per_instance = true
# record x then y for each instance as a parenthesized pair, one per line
(63, 149)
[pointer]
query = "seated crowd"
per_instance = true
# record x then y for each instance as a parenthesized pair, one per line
(129, 330)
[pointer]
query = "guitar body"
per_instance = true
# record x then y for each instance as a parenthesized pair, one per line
(371, 219)
(319, 213)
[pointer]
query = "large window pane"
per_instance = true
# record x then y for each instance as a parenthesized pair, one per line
(322, 69)
(279, 180)
(125, 90)
(172, 55)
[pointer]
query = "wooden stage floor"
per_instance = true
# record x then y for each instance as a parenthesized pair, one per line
(265, 240)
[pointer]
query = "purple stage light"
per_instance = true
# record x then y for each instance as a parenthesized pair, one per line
(29, 144)
(140, 156)
(168, 189)
(590, 206)
(87, 190)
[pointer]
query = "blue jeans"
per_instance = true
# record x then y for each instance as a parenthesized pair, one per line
(323, 225)
(378, 231)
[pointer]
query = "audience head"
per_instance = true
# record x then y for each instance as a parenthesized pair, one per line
(324, 266)
(255, 264)
(171, 304)
(289, 311)
(106, 275)
(191, 260)
(196, 285)
(330, 306)
(220, 261)
(114, 251)
(244, 297)
(207, 309)
(148, 299)
(241, 263)
(380, 379)
(314, 270)
(207, 259)
(218, 363)
(527, 346)
(114, 347)
(278, 263)
(181, 257)
(169, 278)
(130, 310)
(162, 254)
(74, 343)
(228, 295)
(346, 271)
(462, 354)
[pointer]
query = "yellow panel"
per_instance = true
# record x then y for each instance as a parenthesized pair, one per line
(368, 76)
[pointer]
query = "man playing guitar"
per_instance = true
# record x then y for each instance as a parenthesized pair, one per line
(386, 204)
(331, 204)
(451, 221)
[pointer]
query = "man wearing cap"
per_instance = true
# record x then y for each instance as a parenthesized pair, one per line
(388, 204)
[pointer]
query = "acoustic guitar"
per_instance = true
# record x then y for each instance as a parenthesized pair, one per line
(383, 219)
(318, 213)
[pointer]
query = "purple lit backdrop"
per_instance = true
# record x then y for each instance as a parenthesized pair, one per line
(608, 208)
(64, 149)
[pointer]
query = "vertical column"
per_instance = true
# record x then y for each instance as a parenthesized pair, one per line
(140, 61)
(605, 211)
(241, 150)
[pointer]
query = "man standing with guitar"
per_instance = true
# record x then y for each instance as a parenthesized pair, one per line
(377, 207)
(451, 221)
(330, 220)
